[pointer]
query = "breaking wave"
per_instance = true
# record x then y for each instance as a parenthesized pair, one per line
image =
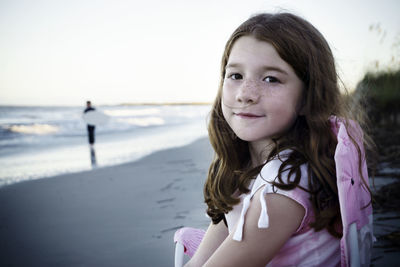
(131, 112)
(38, 129)
(143, 122)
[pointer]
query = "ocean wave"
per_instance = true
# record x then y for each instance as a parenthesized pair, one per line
(143, 122)
(131, 112)
(38, 129)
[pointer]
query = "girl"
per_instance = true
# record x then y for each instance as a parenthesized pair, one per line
(271, 189)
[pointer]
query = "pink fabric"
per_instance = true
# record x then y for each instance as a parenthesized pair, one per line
(354, 197)
(306, 247)
(190, 238)
(268, 174)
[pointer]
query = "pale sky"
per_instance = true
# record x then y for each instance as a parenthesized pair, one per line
(56, 52)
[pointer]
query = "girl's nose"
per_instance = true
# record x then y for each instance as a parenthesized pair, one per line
(248, 93)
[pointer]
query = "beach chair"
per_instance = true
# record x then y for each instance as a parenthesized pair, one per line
(186, 240)
(354, 198)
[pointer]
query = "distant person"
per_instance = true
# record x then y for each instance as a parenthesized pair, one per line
(90, 128)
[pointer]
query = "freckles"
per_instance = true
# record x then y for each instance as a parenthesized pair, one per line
(269, 92)
(276, 91)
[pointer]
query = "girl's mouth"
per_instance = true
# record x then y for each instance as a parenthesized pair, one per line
(248, 115)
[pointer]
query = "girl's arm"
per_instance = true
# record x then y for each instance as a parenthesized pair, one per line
(259, 246)
(215, 235)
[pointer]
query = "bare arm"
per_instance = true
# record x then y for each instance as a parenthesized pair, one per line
(215, 235)
(259, 246)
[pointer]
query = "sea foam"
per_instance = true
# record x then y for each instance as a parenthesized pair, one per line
(39, 129)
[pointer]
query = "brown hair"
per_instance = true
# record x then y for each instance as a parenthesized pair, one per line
(310, 139)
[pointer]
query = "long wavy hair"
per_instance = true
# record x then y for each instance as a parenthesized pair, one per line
(310, 138)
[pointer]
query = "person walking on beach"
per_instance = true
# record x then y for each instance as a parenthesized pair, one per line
(90, 128)
(271, 190)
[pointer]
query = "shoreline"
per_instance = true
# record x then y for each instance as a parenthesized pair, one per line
(47, 141)
(90, 168)
(74, 156)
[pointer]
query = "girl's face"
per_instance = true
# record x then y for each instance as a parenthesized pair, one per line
(261, 94)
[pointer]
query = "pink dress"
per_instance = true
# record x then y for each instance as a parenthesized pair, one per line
(306, 247)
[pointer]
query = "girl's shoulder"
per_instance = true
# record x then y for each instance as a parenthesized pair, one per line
(263, 184)
(270, 172)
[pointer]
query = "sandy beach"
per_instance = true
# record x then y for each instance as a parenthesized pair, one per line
(123, 215)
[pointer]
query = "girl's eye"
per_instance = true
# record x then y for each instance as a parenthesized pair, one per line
(271, 79)
(235, 76)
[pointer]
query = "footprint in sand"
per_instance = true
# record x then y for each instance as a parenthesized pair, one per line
(168, 186)
(181, 214)
(167, 200)
(171, 229)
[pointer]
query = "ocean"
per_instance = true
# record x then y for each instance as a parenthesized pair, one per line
(39, 142)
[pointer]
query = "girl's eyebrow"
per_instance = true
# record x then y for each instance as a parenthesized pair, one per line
(233, 65)
(275, 68)
(265, 68)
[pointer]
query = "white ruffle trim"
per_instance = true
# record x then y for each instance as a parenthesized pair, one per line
(263, 220)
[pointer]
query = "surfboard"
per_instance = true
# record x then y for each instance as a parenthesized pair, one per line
(95, 117)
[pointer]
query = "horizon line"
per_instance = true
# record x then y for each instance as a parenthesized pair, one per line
(119, 104)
